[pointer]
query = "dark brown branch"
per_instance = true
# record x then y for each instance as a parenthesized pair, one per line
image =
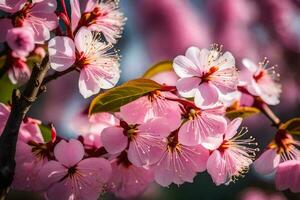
(21, 102)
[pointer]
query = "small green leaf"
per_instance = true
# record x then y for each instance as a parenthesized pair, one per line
(292, 126)
(243, 112)
(159, 67)
(6, 89)
(46, 132)
(113, 99)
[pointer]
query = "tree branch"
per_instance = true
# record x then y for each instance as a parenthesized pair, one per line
(21, 102)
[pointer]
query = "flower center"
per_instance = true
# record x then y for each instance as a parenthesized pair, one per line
(89, 18)
(18, 17)
(258, 76)
(40, 150)
(153, 95)
(193, 114)
(206, 76)
(72, 171)
(173, 143)
(283, 142)
(130, 130)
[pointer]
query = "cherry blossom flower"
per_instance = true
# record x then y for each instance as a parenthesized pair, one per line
(233, 157)
(32, 153)
(20, 40)
(179, 163)
(127, 180)
(98, 68)
(155, 104)
(72, 177)
(91, 127)
(203, 126)
(287, 176)
(19, 72)
(144, 141)
(261, 81)
(103, 16)
(283, 148)
(37, 15)
(204, 74)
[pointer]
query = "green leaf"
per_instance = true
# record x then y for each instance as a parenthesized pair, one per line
(46, 132)
(159, 67)
(242, 112)
(113, 99)
(292, 126)
(6, 89)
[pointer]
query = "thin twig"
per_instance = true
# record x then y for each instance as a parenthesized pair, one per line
(57, 75)
(266, 110)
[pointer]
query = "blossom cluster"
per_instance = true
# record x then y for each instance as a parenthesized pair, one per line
(166, 136)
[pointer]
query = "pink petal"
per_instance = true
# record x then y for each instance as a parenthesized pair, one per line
(203, 129)
(187, 87)
(206, 95)
(5, 25)
(113, 139)
(90, 5)
(212, 142)
(61, 53)
(75, 13)
(50, 20)
(232, 128)
(142, 109)
(83, 39)
(41, 31)
(287, 176)
(167, 77)
(129, 181)
(26, 176)
(97, 171)
(184, 67)
(188, 135)
(193, 54)
(216, 168)
(12, 6)
(19, 73)
(88, 83)
(45, 6)
(163, 177)
(225, 61)
(62, 190)
(156, 126)
(69, 153)
(136, 111)
(267, 162)
(250, 65)
(51, 173)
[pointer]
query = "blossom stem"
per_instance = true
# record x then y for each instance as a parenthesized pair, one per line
(57, 75)
(266, 110)
(21, 103)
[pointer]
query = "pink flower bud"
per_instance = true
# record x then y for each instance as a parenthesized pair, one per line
(21, 41)
(19, 71)
(40, 51)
